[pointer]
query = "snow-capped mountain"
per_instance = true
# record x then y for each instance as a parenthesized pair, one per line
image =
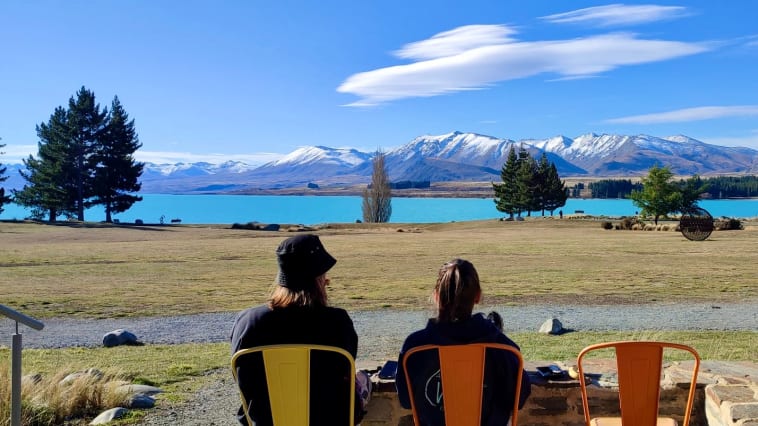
(453, 156)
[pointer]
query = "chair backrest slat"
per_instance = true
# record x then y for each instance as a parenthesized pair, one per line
(639, 374)
(462, 373)
(288, 373)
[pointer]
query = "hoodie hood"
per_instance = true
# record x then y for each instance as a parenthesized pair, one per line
(475, 329)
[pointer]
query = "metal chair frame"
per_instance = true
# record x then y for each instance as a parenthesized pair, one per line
(639, 365)
(288, 380)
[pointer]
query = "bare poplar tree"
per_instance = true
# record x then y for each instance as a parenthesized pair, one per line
(377, 197)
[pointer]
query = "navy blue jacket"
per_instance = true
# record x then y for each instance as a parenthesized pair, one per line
(329, 372)
(500, 375)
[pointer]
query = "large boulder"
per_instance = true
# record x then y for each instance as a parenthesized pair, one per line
(552, 326)
(119, 337)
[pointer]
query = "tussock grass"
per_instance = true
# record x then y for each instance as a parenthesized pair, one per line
(58, 398)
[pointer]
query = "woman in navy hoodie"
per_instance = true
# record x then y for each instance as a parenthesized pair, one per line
(455, 294)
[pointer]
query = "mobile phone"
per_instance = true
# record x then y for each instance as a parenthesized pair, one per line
(550, 371)
(388, 370)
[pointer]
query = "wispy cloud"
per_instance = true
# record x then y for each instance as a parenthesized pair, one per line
(749, 141)
(456, 41)
(15, 153)
(474, 57)
(166, 157)
(619, 14)
(689, 114)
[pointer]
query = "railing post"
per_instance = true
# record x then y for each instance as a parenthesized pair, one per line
(16, 379)
(16, 346)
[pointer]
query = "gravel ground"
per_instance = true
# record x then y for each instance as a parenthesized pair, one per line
(381, 334)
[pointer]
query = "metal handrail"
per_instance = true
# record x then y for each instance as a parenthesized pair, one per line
(19, 317)
(16, 345)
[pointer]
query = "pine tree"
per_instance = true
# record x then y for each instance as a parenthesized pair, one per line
(506, 192)
(87, 126)
(541, 184)
(556, 190)
(525, 182)
(4, 199)
(377, 197)
(51, 187)
(116, 172)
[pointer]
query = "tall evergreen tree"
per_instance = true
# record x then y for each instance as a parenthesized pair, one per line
(526, 182)
(51, 189)
(541, 184)
(87, 126)
(506, 192)
(4, 199)
(116, 172)
(556, 190)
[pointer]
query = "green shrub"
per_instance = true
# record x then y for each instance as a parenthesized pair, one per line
(606, 225)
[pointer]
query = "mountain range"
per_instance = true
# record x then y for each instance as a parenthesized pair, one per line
(454, 156)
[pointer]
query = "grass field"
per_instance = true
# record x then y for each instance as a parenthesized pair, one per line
(100, 271)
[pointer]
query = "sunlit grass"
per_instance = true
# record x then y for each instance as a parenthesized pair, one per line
(51, 271)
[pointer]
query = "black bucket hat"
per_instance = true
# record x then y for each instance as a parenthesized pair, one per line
(301, 260)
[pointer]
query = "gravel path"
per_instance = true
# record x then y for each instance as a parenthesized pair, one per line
(381, 334)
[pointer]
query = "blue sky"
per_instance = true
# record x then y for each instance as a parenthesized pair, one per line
(253, 80)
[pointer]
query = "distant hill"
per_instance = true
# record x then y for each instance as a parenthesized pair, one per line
(450, 157)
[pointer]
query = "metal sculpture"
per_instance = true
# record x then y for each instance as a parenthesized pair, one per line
(696, 224)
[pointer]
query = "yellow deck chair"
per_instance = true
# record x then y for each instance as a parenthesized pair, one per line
(288, 380)
(639, 367)
(462, 377)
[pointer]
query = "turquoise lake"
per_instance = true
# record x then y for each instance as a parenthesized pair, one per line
(310, 210)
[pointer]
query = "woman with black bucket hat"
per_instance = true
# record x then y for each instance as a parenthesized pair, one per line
(297, 312)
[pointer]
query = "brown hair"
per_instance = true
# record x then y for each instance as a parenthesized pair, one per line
(314, 295)
(457, 290)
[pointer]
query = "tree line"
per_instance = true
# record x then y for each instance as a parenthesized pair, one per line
(528, 185)
(85, 158)
(714, 187)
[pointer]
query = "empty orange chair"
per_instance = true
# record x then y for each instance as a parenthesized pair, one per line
(639, 375)
(462, 377)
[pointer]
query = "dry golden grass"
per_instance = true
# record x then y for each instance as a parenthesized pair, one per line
(56, 399)
(102, 271)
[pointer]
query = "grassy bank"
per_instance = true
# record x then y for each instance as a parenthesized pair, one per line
(104, 271)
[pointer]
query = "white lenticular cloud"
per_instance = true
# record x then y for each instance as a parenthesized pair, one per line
(475, 65)
(619, 14)
(456, 41)
(689, 114)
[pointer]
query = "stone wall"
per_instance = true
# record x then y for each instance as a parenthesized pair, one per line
(726, 395)
(551, 403)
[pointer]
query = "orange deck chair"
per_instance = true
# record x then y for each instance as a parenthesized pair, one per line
(288, 380)
(639, 367)
(462, 376)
